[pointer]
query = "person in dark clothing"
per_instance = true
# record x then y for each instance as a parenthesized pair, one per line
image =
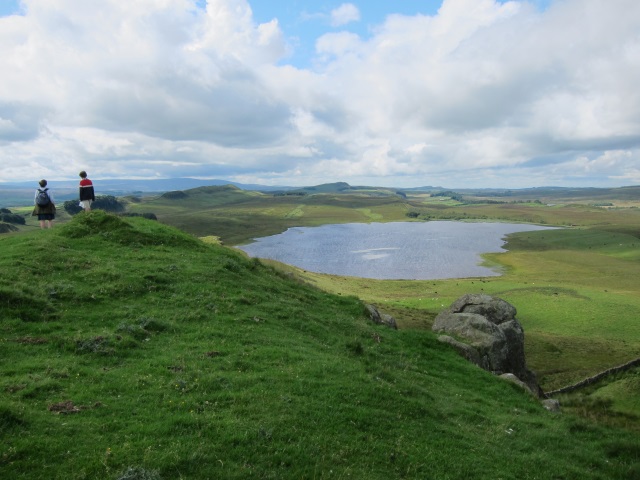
(87, 194)
(46, 213)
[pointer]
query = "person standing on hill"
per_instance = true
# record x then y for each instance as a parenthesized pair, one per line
(45, 208)
(87, 195)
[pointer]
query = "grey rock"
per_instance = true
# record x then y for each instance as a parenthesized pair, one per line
(551, 405)
(463, 349)
(510, 377)
(380, 318)
(486, 332)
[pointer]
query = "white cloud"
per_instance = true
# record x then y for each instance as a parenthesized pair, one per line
(344, 14)
(482, 93)
(339, 44)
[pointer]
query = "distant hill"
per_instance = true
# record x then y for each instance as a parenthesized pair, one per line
(140, 185)
(21, 193)
(565, 192)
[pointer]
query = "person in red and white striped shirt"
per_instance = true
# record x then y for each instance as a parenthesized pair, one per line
(87, 195)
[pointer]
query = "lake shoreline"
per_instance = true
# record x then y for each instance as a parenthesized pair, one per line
(392, 250)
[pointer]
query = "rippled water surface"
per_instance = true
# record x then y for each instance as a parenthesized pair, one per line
(398, 250)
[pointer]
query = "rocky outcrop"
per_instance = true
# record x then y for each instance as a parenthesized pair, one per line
(380, 318)
(484, 330)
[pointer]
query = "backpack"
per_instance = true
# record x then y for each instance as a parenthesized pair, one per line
(42, 199)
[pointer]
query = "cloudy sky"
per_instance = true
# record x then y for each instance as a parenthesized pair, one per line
(458, 93)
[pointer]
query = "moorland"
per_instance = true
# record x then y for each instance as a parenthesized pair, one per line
(134, 348)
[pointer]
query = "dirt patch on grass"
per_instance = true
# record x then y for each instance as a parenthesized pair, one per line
(31, 340)
(65, 407)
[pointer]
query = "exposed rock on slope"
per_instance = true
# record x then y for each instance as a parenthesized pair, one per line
(380, 318)
(484, 330)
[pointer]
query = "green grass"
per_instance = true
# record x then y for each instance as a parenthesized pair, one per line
(239, 216)
(576, 292)
(574, 288)
(129, 349)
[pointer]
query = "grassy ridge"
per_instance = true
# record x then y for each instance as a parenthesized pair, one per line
(570, 333)
(247, 215)
(576, 289)
(238, 216)
(129, 347)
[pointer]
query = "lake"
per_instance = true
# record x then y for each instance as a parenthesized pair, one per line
(396, 250)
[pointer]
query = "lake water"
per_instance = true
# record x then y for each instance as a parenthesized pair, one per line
(397, 250)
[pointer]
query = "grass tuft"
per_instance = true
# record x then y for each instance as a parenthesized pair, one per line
(100, 345)
(10, 421)
(26, 304)
(139, 473)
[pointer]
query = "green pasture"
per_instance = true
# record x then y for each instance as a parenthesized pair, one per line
(238, 216)
(576, 291)
(132, 350)
(576, 288)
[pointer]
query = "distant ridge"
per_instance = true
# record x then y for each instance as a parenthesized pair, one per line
(141, 185)
(21, 193)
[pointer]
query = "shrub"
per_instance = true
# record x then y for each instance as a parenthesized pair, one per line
(175, 195)
(12, 218)
(108, 203)
(72, 207)
(7, 227)
(147, 215)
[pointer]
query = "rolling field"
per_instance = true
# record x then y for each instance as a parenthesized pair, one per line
(132, 350)
(576, 289)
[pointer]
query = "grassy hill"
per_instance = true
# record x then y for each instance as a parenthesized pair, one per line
(237, 216)
(130, 349)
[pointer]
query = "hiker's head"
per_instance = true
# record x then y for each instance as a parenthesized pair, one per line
(83, 174)
(42, 183)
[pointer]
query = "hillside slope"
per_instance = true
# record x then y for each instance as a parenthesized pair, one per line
(129, 349)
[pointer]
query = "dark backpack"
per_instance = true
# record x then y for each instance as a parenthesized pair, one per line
(42, 199)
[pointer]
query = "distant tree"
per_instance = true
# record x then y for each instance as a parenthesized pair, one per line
(402, 194)
(413, 214)
(7, 227)
(11, 217)
(448, 193)
(175, 195)
(147, 215)
(71, 207)
(290, 194)
(108, 203)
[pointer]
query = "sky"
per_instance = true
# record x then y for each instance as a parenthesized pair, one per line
(453, 93)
